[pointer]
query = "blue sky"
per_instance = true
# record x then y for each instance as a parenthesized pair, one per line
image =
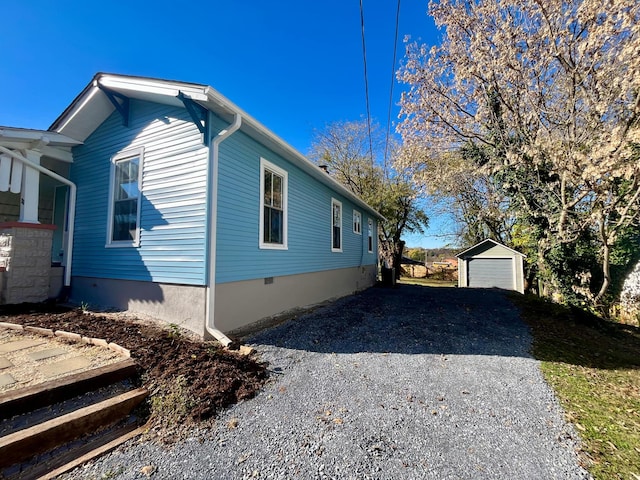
(295, 66)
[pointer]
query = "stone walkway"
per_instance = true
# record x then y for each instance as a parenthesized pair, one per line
(31, 357)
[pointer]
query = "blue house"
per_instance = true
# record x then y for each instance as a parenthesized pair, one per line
(182, 206)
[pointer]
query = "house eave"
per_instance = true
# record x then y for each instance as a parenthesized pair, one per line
(91, 107)
(224, 108)
(49, 144)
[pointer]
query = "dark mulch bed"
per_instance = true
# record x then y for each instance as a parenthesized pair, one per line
(190, 380)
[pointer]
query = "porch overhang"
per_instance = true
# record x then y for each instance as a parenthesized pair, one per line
(49, 144)
(21, 177)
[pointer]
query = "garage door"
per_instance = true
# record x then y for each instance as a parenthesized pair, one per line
(491, 272)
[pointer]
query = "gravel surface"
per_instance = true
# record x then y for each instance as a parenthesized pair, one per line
(403, 383)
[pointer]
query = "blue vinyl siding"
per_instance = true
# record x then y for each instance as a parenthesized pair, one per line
(174, 192)
(309, 220)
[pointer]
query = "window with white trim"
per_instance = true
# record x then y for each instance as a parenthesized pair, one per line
(123, 229)
(357, 222)
(336, 225)
(370, 235)
(273, 206)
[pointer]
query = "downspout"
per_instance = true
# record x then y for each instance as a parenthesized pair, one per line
(72, 206)
(213, 218)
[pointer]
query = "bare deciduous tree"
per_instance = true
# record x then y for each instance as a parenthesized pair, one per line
(345, 148)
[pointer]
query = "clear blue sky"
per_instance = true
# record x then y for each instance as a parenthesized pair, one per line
(295, 66)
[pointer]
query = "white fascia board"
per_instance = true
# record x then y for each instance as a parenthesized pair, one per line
(130, 86)
(57, 154)
(78, 108)
(27, 136)
(49, 144)
(489, 240)
(147, 88)
(221, 105)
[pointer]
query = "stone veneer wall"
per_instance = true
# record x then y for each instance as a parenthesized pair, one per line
(25, 262)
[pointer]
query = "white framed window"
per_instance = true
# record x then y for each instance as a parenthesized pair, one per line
(370, 235)
(357, 222)
(273, 206)
(123, 228)
(336, 225)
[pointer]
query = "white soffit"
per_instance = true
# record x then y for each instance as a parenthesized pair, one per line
(50, 144)
(86, 116)
(92, 107)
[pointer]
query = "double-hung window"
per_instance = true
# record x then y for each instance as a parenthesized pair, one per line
(357, 222)
(273, 206)
(336, 225)
(123, 229)
(370, 235)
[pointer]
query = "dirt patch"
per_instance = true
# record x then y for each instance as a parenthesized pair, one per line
(190, 380)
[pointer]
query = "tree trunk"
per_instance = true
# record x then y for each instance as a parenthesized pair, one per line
(398, 249)
(606, 252)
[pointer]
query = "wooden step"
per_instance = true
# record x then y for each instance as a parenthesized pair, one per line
(28, 399)
(24, 444)
(64, 459)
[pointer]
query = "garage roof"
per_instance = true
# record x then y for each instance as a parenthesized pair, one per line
(483, 245)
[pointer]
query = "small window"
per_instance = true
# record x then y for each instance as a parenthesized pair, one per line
(370, 235)
(124, 205)
(357, 222)
(273, 206)
(336, 225)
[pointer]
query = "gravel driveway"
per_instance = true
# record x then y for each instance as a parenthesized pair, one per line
(404, 383)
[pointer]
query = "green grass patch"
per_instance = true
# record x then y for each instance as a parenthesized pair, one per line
(428, 282)
(594, 367)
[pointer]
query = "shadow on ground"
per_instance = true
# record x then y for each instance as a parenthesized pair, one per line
(408, 319)
(413, 319)
(571, 335)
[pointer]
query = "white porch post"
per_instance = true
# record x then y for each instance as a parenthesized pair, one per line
(30, 191)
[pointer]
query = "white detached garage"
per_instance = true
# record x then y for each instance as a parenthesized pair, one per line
(490, 264)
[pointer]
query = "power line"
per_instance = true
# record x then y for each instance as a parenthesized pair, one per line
(366, 82)
(393, 76)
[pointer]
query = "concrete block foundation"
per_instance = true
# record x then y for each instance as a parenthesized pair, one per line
(237, 304)
(25, 262)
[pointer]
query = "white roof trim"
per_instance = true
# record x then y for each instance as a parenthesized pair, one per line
(459, 255)
(49, 144)
(91, 102)
(27, 134)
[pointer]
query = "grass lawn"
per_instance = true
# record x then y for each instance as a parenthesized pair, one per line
(428, 282)
(594, 367)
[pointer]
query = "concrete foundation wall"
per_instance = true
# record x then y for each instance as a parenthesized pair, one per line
(239, 304)
(183, 305)
(25, 258)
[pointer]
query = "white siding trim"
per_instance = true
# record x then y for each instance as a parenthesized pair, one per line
(125, 154)
(267, 165)
(357, 215)
(338, 203)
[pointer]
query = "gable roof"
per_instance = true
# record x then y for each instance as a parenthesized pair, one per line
(488, 242)
(92, 107)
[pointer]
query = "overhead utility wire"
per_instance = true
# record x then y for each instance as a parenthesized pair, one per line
(393, 77)
(366, 82)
